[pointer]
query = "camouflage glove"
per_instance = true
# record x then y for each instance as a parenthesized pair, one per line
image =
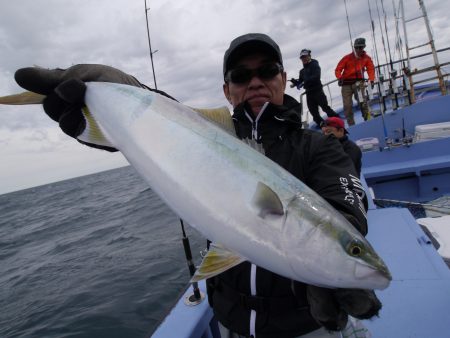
(331, 307)
(65, 89)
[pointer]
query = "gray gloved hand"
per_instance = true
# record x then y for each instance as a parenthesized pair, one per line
(65, 89)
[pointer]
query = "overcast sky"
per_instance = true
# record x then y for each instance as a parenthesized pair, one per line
(190, 38)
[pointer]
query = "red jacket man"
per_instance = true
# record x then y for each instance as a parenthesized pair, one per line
(350, 72)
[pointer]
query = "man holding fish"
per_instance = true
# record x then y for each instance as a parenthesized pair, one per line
(250, 300)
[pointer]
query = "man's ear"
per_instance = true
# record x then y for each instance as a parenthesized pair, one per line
(226, 91)
(284, 77)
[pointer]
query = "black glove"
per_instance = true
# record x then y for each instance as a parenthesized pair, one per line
(372, 84)
(65, 91)
(325, 309)
(331, 307)
(358, 303)
(340, 82)
(294, 82)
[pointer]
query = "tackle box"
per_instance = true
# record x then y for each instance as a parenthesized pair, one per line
(427, 132)
(368, 144)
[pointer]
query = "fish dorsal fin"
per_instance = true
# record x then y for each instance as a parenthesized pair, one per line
(93, 133)
(266, 201)
(220, 116)
(217, 260)
(22, 98)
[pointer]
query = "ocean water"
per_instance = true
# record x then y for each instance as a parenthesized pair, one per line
(95, 256)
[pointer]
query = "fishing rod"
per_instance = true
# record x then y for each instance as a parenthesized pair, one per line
(399, 44)
(149, 44)
(444, 209)
(196, 297)
(360, 88)
(393, 72)
(348, 25)
(382, 35)
(381, 93)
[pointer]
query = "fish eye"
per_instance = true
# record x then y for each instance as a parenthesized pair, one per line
(355, 250)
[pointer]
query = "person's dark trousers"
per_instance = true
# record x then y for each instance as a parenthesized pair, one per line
(316, 99)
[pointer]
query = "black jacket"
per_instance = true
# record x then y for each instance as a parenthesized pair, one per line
(310, 76)
(353, 151)
(281, 307)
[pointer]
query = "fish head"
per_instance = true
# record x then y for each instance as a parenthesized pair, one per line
(324, 249)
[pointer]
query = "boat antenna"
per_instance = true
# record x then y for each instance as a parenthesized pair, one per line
(196, 297)
(149, 43)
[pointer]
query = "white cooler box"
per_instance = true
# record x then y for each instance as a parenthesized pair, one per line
(427, 132)
(368, 144)
(439, 228)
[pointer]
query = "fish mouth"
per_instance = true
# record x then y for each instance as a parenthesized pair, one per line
(378, 275)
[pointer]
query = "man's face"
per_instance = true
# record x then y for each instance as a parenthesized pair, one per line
(305, 59)
(256, 91)
(328, 130)
(359, 51)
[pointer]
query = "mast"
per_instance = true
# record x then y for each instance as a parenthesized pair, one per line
(149, 43)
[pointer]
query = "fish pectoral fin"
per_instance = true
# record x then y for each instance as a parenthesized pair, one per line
(217, 260)
(220, 116)
(266, 201)
(22, 98)
(93, 133)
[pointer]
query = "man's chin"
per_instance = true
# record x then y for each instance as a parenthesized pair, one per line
(257, 105)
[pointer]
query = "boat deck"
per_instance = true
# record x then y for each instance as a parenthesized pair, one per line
(416, 304)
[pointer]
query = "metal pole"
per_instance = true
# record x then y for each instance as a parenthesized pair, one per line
(149, 44)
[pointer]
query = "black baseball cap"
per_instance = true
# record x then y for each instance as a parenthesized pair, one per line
(248, 43)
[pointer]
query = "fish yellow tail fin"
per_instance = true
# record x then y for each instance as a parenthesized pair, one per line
(22, 98)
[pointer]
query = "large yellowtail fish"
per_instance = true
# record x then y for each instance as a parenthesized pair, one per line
(230, 192)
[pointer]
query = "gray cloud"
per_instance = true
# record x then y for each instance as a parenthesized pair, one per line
(190, 36)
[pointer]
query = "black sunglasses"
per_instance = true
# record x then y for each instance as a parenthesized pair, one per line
(359, 48)
(244, 75)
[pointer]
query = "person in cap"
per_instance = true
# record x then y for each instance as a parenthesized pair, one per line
(335, 126)
(247, 300)
(309, 78)
(350, 74)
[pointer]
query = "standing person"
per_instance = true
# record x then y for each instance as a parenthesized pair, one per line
(247, 300)
(335, 126)
(309, 78)
(350, 73)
